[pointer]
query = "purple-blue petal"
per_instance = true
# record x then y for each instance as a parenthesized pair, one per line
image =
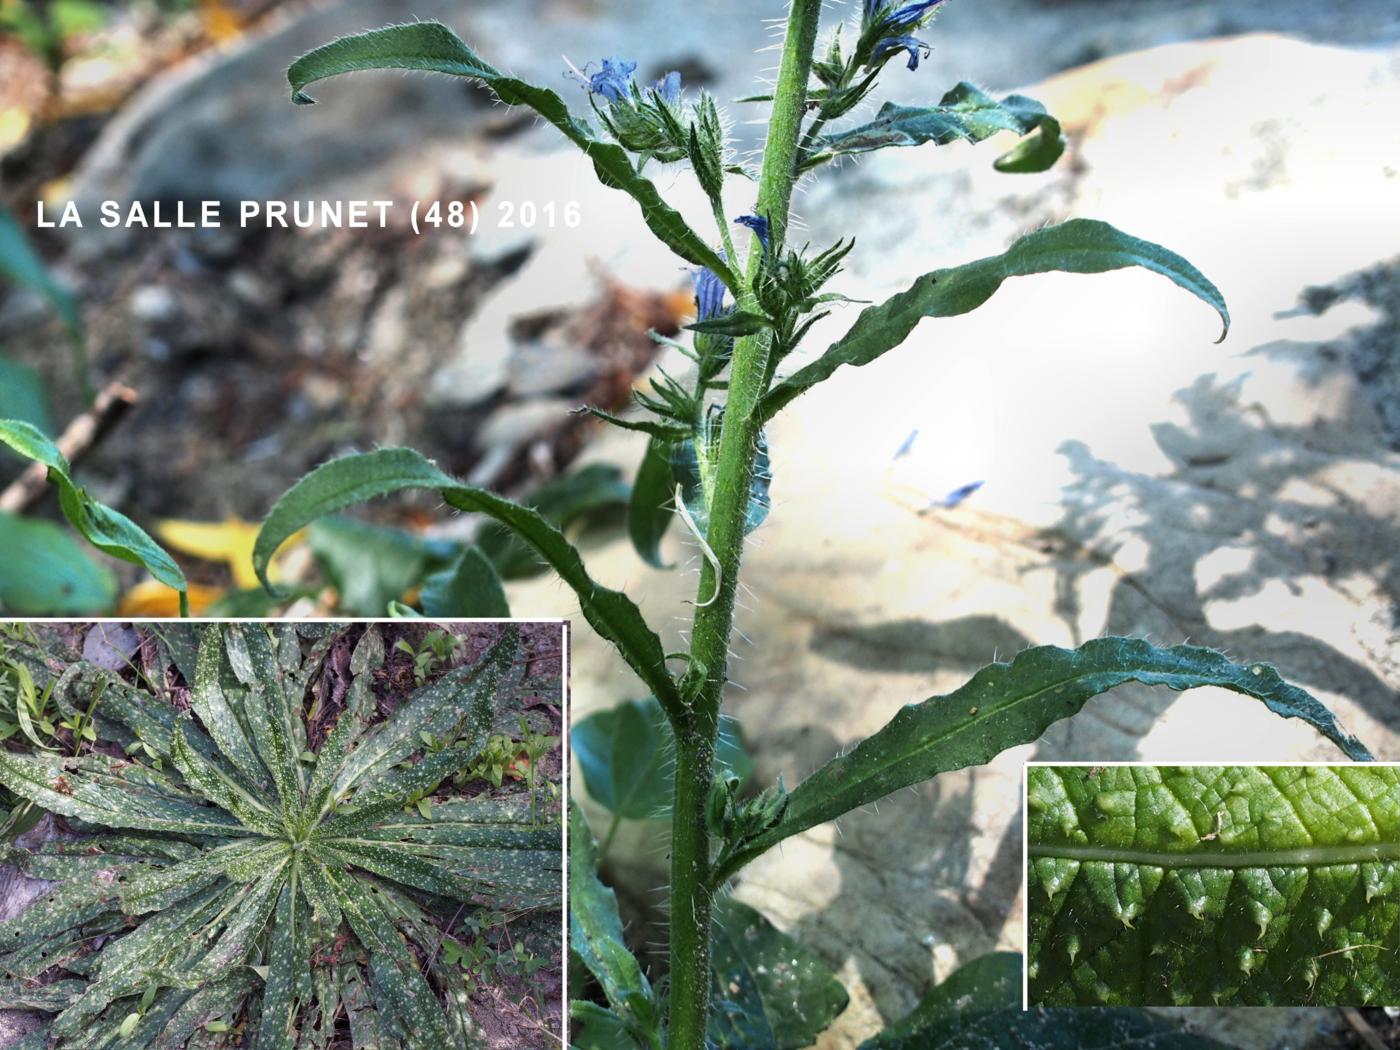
(614, 80)
(709, 294)
(669, 87)
(758, 224)
(917, 48)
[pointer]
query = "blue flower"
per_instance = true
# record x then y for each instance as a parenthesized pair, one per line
(906, 17)
(758, 224)
(709, 295)
(613, 81)
(669, 87)
(917, 49)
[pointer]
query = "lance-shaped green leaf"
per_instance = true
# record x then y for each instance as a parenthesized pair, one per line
(433, 47)
(770, 993)
(55, 784)
(224, 720)
(357, 478)
(652, 505)
(106, 529)
(595, 932)
(287, 955)
(965, 113)
(1006, 704)
(393, 966)
(221, 789)
(1214, 885)
(1077, 246)
(979, 1008)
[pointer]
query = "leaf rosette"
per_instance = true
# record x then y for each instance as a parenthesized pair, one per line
(240, 879)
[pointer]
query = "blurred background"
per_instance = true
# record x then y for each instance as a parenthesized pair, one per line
(1136, 477)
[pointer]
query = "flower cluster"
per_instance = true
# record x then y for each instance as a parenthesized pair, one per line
(891, 24)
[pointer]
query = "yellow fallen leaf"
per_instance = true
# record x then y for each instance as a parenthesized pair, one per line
(229, 541)
(154, 600)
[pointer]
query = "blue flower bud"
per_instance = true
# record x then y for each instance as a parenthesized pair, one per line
(758, 224)
(613, 81)
(709, 295)
(669, 87)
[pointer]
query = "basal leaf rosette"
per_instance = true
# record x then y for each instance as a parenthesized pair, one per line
(234, 880)
(1214, 885)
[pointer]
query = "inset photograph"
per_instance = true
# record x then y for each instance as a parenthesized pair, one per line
(309, 834)
(1213, 885)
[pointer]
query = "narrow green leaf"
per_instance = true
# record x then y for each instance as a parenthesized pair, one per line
(106, 529)
(371, 565)
(735, 325)
(979, 1008)
(433, 47)
(284, 963)
(595, 930)
(221, 718)
(965, 113)
(354, 479)
(221, 789)
(770, 993)
(1007, 704)
(652, 504)
(1214, 885)
(470, 588)
(1077, 246)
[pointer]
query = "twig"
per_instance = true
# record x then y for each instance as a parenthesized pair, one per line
(1368, 1035)
(85, 431)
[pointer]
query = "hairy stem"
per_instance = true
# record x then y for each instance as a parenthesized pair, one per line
(697, 728)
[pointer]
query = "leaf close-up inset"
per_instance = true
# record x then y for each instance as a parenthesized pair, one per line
(1208, 885)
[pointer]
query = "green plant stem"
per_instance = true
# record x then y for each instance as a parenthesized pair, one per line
(697, 726)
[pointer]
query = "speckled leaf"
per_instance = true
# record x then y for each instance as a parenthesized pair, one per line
(1077, 246)
(161, 888)
(357, 478)
(413, 997)
(1013, 703)
(55, 784)
(503, 823)
(25, 995)
(221, 789)
(432, 47)
(284, 962)
(220, 717)
(1209, 885)
(508, 878)
(273, 715)
(215, 1001)
(979, 1008)
(770, 993)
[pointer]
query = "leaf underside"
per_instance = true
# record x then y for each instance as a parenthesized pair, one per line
(1204, 886)
(236, 856)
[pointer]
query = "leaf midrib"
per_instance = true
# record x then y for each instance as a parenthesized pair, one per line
(1297, 857)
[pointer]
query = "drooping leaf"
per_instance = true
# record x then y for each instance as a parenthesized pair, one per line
(627, 755)
(354, 479)
(22, 395)
(965, 113)
(1006, 704)
(470, 588)
(103, 527)
(979, 1008)
(595, 933)
(1077, 246)
(651, 506)
(433, 47)
(47, 573)
(769, 993)
(1214, 885)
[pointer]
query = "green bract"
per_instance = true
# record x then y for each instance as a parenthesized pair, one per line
(240, 874)
(1248, 886)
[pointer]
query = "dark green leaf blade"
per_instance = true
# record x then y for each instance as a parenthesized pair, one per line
(627, 755)
(650, 510)
(965, 113)
(47, 573)
(103, 527)
(1077, 246)
(1007, 704)
(595, 931)
(770, 993)
(979, 1008)
(433, 47)
(470, 588)
(356, 478)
